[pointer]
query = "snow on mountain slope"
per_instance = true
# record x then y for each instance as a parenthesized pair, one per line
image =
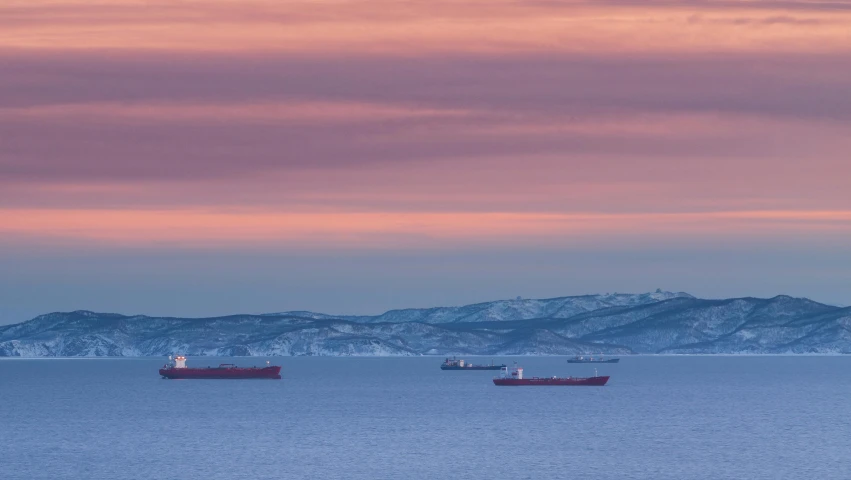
(510, 310)
(743, 324)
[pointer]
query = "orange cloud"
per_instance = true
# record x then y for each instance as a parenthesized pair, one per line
(299, 112)
(420, 26)
(202, 228)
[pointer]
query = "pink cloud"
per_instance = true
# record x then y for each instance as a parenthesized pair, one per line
(455, 108)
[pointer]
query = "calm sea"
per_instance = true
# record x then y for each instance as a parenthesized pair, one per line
(404, 418)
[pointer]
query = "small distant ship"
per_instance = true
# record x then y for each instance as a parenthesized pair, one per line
(177, 369)
(515, 378)
(600, 359)
(454, 364)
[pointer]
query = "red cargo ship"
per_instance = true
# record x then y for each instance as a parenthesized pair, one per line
(515, 378)
(178, 369)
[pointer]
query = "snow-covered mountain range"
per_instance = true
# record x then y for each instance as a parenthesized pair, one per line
(660, 322)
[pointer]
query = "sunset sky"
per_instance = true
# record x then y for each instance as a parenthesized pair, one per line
(245, 156)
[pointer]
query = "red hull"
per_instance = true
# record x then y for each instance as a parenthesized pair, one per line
(222, 373)
(553, 381)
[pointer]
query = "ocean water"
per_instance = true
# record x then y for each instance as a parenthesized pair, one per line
(732, 417)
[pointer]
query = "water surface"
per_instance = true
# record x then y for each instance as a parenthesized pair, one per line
(387, 418)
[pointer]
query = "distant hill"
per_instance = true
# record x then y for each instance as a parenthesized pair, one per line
(660, 322)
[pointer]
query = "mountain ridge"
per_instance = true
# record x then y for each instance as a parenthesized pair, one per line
(657, 322)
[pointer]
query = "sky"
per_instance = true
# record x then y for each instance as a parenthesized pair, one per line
(196, 158)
